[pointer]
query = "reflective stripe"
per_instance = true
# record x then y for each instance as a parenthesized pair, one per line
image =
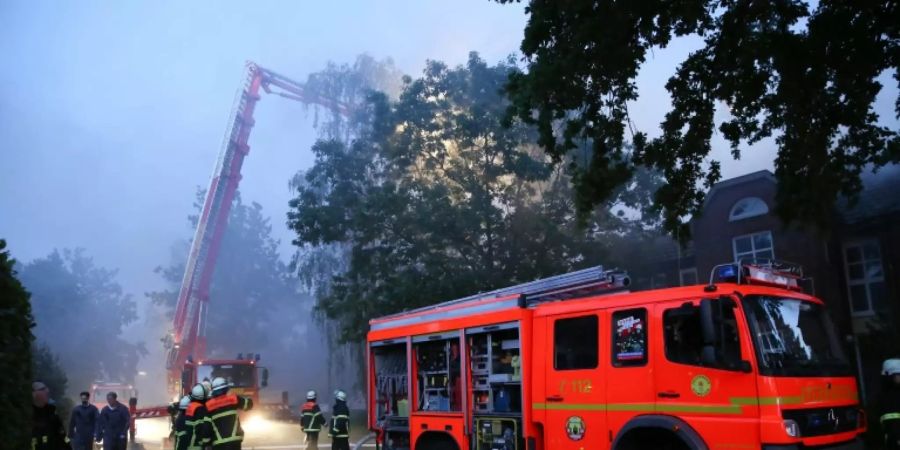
(33, 443)
(890, 416)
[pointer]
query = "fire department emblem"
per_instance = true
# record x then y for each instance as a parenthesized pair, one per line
(575, 428)
(701, 385)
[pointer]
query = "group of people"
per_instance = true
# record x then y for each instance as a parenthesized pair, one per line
(312, 420)
(86, 425)
(208, 417)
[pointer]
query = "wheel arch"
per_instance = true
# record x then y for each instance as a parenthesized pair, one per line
(436, 439)
(673, 425)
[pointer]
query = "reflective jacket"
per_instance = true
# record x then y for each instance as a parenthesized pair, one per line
(47, 431)
(223, 415)
(311, 420)
(340, 421)
(180, 430)
(197, 426)
(890, 418)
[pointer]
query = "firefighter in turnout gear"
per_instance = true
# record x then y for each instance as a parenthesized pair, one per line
(890, 411)
(223, 414)
(196, 420)
(180, 427)
(339, 430)
(47, 431)
(311, 421)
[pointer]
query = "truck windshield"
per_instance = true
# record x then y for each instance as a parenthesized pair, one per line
(794, 338)
(239, 375)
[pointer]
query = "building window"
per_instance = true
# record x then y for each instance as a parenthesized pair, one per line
(688, 276)
(865, 277)
(573, 346)
(746, 208)
(758, 246)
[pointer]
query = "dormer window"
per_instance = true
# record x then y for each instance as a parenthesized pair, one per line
(747, 207)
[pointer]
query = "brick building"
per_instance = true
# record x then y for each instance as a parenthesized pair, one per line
(855, 267)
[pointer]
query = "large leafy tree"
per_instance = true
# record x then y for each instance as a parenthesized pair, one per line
(15, 357)
(253, 300)
(81, 311)
(436, 199)
(805, 75)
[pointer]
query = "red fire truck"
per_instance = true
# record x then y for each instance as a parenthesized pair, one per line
(575, 362)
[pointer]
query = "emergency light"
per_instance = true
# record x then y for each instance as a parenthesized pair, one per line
(767, 273)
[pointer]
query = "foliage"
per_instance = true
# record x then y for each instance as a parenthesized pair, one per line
(15, 356)
(251, 289)
(436, 199)
(805, 76)
(48, 370)
(81, 312)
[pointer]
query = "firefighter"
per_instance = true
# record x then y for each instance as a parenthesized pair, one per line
(223, 410)
(179, 428)
(890, 413)
(83, 423)
(311, 421)
(198, 431)
(339, 430)
(47, 431)
(114, 423)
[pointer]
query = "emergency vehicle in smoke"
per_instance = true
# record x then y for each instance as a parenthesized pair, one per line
(576, 362)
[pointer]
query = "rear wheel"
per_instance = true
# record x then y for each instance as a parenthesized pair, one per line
(436, 441)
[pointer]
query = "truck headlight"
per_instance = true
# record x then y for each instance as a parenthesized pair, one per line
(791, 428)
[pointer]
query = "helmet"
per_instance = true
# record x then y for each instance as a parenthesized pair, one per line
(185, 401)
(891, 367)
(199, 392)
(340, 395)
(311, 395)
(219, 385)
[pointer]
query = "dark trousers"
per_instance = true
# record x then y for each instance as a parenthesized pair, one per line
(115, 444)
(236, 445)
(340, 443)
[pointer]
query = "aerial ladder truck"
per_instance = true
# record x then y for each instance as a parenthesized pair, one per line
(186, 361)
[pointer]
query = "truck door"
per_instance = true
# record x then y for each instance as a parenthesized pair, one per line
(707, 379)
(575, 398)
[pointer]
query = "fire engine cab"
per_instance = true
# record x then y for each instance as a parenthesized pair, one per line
(575, 362)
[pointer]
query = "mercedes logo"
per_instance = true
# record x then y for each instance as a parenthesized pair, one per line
(833, 418)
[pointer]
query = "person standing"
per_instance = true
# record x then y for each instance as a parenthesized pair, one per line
(47, 430)
(223, 410)
(311, 421)
(196, 419)
(115, 420)
(83, 423)
(890, 411)
(339, 431)
(179, 427)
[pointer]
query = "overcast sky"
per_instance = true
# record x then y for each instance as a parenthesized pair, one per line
(112, 113)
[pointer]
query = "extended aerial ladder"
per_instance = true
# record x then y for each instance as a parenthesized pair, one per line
(186, 342)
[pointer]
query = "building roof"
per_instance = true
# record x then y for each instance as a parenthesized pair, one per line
(879, 196)
(752, 176)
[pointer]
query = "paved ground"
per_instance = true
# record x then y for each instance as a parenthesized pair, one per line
(259, 435)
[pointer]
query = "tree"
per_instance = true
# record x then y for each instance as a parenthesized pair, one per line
(436, 199)
(15, 357)
(805, 76)
(48, 370)
(80, 312)
(252, 298)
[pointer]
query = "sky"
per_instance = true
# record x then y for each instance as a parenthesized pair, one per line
(113, 113)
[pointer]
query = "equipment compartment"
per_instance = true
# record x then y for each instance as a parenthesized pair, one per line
(438, 380)
(391, 383)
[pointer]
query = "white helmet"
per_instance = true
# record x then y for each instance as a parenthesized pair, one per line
(340, 395)
(184, 402)
(891, 366)
(199, 392)
(219, 383)
(311, 395)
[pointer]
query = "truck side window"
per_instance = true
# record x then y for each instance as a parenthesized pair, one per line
(629, 338)
(575, 343)
(684, 338)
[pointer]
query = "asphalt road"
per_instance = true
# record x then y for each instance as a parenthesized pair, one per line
(260, 435)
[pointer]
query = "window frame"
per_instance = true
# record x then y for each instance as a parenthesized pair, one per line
(866, 281)
(556, 320)
(613, 339)
(682, 272)
(735, 218)
(753, 249)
